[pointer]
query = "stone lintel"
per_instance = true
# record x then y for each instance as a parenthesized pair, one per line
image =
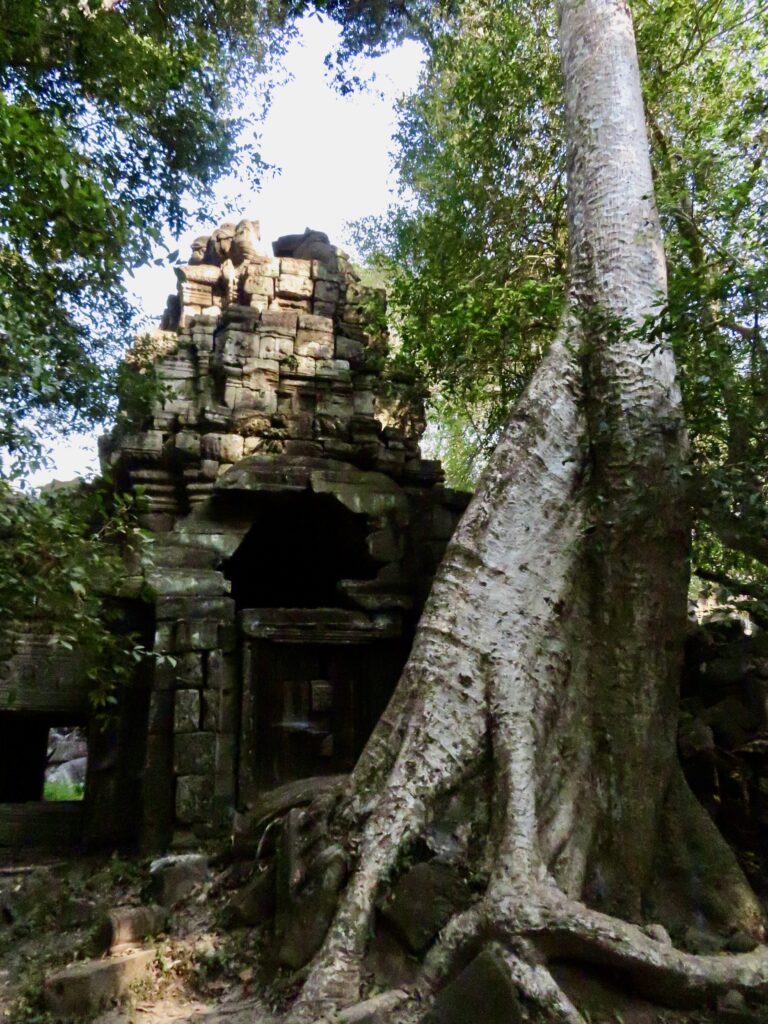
(46, 679)
(177, 606)
(316, 625)
(201, 583)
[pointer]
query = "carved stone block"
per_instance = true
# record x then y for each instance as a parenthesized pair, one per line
(268, 368)
(296, 425)
(364, 402)
(193, 799)
(193, 753)
(187, 444)
(294, 287)
(337, 449)
(335, 403)
(264, 391)
(256, 392)
(295, 268)
(316, 324)
(258, 286)
(318, 346)
(178, 366)
(193, 294)
(349, 349)
(147, 445)
(274, 347)
(321, 271)
(326, 291)
(333, 369)
(221, 671)
(300, 366)
(234, 346)
(264, 268)
(222, 447)
(278, 321)
(301, 447)
(186, 711)
(287, 302)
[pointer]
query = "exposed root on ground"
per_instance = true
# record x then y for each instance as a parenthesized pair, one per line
(534, 927)
(537, 925)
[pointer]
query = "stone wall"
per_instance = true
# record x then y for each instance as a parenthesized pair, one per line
(43, 690)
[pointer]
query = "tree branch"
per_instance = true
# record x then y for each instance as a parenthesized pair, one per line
(738, 533)
(736, 586)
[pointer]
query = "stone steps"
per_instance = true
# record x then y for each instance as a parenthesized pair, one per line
(84, 988)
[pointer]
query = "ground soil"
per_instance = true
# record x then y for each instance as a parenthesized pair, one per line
(50, 909)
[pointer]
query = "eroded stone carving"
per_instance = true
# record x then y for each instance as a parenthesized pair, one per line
(246, 245)
(311, 245)
(275, 353)
(219, 244)
(199, 247)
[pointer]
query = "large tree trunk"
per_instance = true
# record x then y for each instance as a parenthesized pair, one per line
(548, 655)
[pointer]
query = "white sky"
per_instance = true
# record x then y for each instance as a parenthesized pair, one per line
(333, 153)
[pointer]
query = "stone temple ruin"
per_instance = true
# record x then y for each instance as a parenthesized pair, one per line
(296, 532)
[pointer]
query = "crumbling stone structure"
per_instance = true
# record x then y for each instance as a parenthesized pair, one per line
(297, 527)
(39, 689)
(269, 356)
(296, 532)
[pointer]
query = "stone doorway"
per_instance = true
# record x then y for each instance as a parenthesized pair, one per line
(314, 685)
(28, 816)
(316, 670)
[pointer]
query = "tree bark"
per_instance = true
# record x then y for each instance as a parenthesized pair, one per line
(548, 655)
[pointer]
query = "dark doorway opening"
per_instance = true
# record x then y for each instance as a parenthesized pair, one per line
(27, 768)
(24, 744)
(299, 547)
(315, 705)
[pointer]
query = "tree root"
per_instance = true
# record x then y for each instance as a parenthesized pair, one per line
(537, 925)
(566, 929)
(532, 927)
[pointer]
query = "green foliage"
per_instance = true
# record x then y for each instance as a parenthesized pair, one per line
(375, 26)
(115, 116)
(63, 790)
(474, 253)
(62, 552)
(706, 96)
(459, 439)
(475, 250)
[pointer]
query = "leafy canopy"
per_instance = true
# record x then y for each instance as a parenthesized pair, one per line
(475, 249)
(116, 116)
